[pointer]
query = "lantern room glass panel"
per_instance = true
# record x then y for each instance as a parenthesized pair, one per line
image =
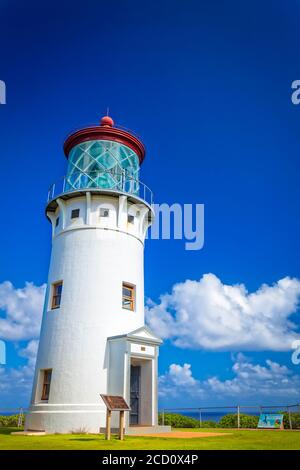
(103, 164)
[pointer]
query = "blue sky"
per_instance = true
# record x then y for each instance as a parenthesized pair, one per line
(207, 85)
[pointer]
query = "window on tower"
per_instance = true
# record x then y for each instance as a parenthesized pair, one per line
(56, 294)
(130, 219)
(128, 296)
(46, 384)
(104, 212)
(75, 213)
(57, 222)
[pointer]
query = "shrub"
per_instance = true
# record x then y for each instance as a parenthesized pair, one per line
(231, 421)
(209, 424)
(182, 421)
(10, 421)
(227, 421)
(295, 420)
(178, 421)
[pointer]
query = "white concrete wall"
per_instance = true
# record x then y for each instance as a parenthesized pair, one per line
(92, 256)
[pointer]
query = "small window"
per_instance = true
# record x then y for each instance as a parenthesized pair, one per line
(46, 384)
(75, 213)
(130, 219)
(57, 222)
(56, 294)
(104, 212)
(128, 296)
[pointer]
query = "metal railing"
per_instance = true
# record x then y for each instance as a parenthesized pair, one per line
(236, 409)
(102, 180)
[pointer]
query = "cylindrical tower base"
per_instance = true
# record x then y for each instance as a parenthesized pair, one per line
(97, 249)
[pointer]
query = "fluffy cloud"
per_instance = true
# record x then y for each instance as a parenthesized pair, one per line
(178, 379)
(269, 380)
(20, 320)
(249, 381)
(23, 311)
(17, 381)
(208, 314)
(30, 352)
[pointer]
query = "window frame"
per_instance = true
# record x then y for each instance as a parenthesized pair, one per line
(104, 209)
(75, 216)
(46, 384)
(129, 298)
(55, 296)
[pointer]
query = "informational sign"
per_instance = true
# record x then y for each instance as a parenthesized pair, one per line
(115, 403)
(270, 421)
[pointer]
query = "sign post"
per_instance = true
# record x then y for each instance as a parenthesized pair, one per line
(121, 426)
(115, 403)
(108, 419)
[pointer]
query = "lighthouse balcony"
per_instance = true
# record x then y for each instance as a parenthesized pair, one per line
(102, 181)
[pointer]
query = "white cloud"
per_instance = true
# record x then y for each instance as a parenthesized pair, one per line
(20, 319)
(177, 379)
(208, 314)
(249, 382)
(15, 386)
(23, 311)
(30, 352)
(16, 382)
(268, 380)
(182, 374)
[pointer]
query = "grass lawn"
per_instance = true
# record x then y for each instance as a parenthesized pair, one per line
(236, 440)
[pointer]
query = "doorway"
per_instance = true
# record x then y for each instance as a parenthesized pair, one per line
(135, 393)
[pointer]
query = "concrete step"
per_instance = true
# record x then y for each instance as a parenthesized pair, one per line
(141, 430)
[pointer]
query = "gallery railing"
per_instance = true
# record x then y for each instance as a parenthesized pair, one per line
(102, 180)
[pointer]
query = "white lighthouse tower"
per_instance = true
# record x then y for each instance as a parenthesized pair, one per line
(93, 335)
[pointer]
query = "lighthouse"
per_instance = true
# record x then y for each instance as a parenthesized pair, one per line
(93, 336)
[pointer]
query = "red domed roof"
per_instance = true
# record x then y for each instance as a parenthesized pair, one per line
(105, 131)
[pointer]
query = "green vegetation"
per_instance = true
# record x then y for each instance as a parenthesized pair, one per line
(232, 439)
(178, 421)
(231, 421)
(181, 421)
(10, 421)
(227, 421)
(295, 420)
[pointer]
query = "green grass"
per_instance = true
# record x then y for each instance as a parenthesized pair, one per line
(242, 439)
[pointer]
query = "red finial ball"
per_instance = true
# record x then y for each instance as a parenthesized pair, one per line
(107, 121)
